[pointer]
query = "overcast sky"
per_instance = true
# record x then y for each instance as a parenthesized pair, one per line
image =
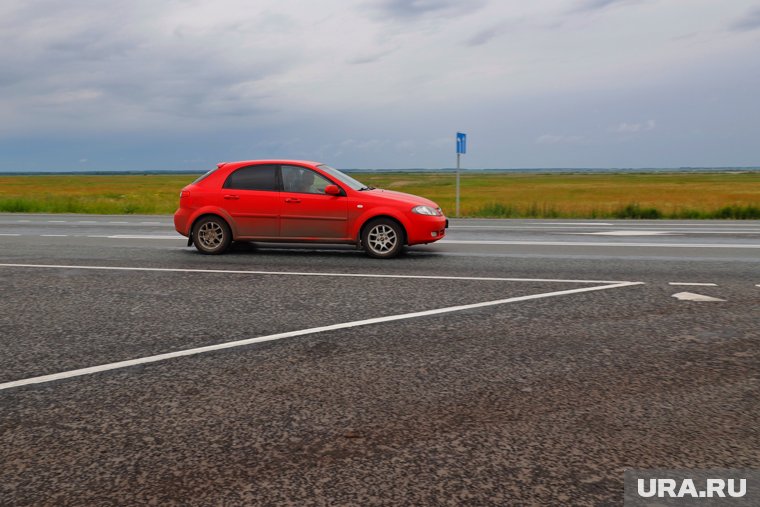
(183, 84)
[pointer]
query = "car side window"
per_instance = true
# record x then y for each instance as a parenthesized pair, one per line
(303, 180)
(253, 177)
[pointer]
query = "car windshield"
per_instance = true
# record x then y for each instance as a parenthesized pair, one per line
(344, 178)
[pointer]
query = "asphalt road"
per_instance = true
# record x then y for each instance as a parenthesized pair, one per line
(514, 362)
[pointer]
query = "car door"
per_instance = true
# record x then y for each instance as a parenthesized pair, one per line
(251, 196)
(306, 212)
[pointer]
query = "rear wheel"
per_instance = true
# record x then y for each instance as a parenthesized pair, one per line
(212, 235)
(383, 238)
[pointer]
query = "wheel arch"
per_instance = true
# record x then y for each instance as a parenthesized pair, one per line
(213, 213)
(381, 216)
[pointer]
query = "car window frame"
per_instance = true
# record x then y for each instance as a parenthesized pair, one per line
(277, 179)
(332, 182)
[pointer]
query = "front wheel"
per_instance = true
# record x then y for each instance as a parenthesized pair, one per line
(383, 238)
(212, 235)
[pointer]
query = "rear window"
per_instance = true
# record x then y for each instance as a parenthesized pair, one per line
(204, 176)
(253, 177)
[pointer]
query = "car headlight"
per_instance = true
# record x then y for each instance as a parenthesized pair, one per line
(427, 210)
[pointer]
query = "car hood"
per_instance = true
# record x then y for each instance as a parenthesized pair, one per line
(414, 200)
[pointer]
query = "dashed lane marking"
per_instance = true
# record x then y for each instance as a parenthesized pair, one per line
(691, 296)
(279, 336)
(696, 284)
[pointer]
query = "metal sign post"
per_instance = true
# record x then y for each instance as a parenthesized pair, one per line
(461, 148)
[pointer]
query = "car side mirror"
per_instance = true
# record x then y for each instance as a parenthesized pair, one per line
(332, 190)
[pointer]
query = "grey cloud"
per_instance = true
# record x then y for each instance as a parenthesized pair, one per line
(412, 9)
(750, 21)
(368, 58)
(485, 36)
(595, 5)
(87, 69)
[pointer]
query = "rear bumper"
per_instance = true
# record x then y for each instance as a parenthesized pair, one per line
(182, 221)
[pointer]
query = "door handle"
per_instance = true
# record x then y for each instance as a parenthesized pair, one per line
(294, 200)
(231, 197)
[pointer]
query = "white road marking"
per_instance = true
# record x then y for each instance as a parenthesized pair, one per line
(6, 234)
(307, 273)
(690, 296)
(86, 222)
(57, 221)
(53, 235)
(622, 233)
(150, 223)
(699, 284)
(529, 226)
(118, 222)
(589, 243)
(279, 336)
(23, 221)
(144, 236)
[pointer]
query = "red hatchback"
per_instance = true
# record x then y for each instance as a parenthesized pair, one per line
(295, 201)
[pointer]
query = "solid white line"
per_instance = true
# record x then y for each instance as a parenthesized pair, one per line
(291, 334)
(53, 235)
(304, 273)
(594, 243)
(536, 226)
(144, 236)
(696, 284)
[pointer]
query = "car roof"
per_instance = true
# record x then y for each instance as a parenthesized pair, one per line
(270, 161)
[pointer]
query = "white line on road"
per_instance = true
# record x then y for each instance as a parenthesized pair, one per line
(6, 234)
(57, 221)
(144, 236)
(118, 222)
(529, 226)
(690, 296)
(621, 233)
(307, 273)
(696, 284)
(595, 243)
(279, 336)
(53, 235)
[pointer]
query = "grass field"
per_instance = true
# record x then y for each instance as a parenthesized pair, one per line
(719, 195)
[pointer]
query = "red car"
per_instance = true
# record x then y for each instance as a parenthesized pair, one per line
(295, 201)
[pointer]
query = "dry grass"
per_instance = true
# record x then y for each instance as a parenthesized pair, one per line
(724, 195)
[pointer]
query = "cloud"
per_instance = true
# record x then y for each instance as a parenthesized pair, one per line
(558, 139)
(595, 5)
(748, 22)
(485, 36)
(632, 128)
(368, 58)
(413, 9)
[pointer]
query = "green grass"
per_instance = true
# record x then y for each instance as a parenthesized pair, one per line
(635, 196)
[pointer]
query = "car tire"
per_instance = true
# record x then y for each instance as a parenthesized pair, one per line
(212, 235)
(383, 238)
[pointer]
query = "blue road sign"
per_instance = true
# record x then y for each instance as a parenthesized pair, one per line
(461, 142)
